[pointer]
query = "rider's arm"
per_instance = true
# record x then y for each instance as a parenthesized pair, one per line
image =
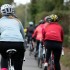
(34, 34)
(22, 30)
(62, 35)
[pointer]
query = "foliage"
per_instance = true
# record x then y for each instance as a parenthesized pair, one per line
(1, 2)
(40, 16)
(66, 58)
(7, 1)
(66, 41)
(38, 6)
(20, 12)
(33, 9)
(58, 4)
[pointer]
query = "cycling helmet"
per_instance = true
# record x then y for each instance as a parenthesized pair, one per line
(6, 10)
(47, 19)
(54, 18)
(41, 21)
(30, 23)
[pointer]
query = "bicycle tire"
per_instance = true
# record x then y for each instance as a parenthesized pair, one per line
(11, 68)
(41, 63)
(51, 64)
(40, 55)
(38, 62)
(30, 48)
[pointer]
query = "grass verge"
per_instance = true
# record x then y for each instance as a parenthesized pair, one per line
(65, 60)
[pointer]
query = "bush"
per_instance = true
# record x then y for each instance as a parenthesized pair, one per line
(40, 16)
(66, 42)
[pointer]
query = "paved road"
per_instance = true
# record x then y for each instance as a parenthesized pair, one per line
(30, 63)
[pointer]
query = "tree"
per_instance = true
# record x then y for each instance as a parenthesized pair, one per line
(8, 1)
(1, 2)
(58, 3)
(33, 9)
(20, 12)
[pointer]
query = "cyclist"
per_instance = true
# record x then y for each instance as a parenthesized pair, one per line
(38, 35)
(12, 37)
(30, 31)
(53, 37)
(46, 22)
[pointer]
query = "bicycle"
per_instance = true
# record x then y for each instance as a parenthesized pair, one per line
(10, 52)
(40, 55)
(30, 47)
(51, 62)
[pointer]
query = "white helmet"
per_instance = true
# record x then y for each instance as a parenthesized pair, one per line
(6, 9)
(30, 23)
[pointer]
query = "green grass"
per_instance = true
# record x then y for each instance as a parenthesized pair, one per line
(65, 60)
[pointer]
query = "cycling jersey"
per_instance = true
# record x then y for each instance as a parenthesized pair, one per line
(38, 33)
(54, 32)
(11, 30)
(30, 31)
(45, 25)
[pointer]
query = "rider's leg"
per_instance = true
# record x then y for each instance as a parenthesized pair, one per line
(37, 47)
(18, 57)
(57, 55)
(48, 54)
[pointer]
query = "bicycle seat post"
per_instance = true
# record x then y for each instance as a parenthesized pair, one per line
(10, 52)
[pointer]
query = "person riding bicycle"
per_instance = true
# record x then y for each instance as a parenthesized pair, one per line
(12, 37)
(53, 37)
(38, 35)
(30, 31)
(46, 21)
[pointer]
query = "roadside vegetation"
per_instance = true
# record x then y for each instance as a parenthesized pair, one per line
(66, 58)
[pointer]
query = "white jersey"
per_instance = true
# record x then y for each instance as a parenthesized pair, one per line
(11, 30)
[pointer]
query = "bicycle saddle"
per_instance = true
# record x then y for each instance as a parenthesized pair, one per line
(11, 51)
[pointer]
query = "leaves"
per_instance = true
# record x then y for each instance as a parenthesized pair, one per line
(7, 1)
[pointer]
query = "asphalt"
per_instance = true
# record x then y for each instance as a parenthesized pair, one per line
(30, 63)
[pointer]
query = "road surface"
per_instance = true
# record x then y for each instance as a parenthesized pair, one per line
(31, 64)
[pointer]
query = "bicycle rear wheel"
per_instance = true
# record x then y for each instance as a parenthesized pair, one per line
(51, 64)
(30, 48)
(10, 66)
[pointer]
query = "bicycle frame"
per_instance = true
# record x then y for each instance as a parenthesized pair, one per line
(40, 55)
(30, 47)
(51, 62)
(10, 67)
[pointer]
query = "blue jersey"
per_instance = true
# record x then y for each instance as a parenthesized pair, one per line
(11, 30)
